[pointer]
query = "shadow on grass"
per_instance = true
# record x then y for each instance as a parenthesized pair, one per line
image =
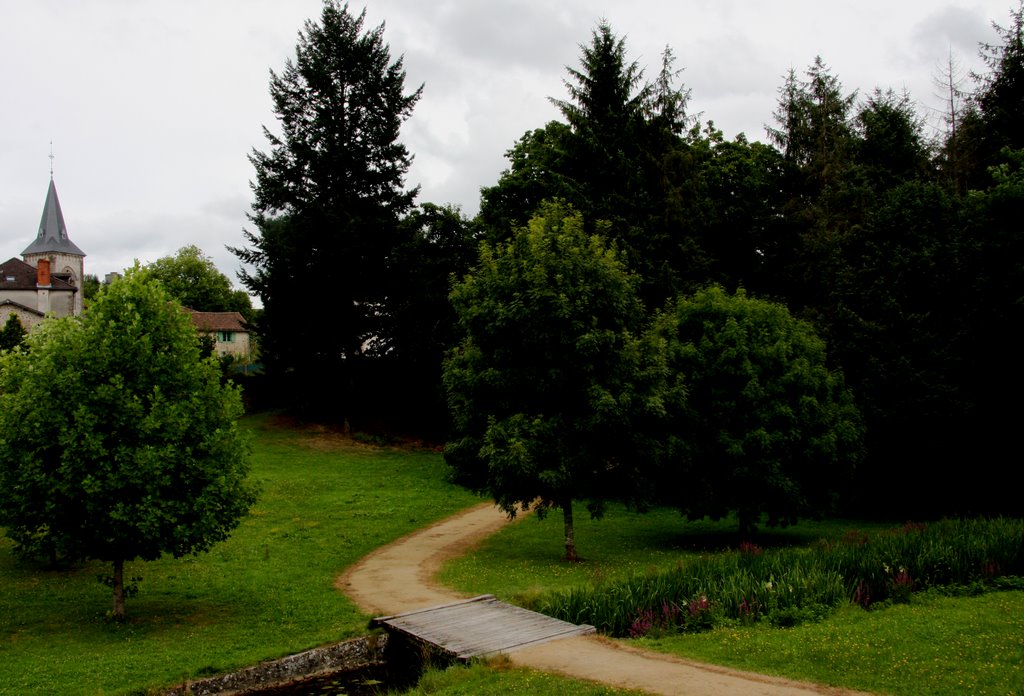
(703, 536)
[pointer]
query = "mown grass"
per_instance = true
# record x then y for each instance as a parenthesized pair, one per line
(327, 502)
(498, 677)
(266, 592)
(935, 645)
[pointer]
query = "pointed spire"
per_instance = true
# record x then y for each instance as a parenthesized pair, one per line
(53, 233)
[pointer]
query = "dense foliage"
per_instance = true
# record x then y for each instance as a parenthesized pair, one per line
(117, 441)
(902, 250)
(329, 198)
(191, 278)
(552, 382)
(12, 334)
(764, 428)
(899, 250)
(788, 586)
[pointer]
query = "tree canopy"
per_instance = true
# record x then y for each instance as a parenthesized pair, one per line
(1000, 97)
(117, 441)
(191, 278)
(552, 381)
(900, 248)
(765, 428)
(90, 286)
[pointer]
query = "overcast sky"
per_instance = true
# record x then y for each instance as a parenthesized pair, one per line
(152, 106)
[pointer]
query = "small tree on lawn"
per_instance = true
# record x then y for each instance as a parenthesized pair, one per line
(117, 441)
(552, 379)
(767, 427)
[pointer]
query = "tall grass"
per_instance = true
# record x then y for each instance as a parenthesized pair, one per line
(789, 586)
(892, 564)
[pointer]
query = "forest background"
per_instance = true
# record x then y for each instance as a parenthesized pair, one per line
(903, 251)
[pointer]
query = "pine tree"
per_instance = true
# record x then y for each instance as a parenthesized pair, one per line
(606, 114)
(329, 195)
(950, 156)
(816, 136)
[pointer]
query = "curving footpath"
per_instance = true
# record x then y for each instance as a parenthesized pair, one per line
(399, 577)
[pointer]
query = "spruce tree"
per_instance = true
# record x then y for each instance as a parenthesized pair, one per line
(329, 194)
(12, 334)
(1000, 97)
(606, 109)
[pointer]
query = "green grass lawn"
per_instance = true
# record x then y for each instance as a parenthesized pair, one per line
(266, 592)
(935, 645)
(498, 677)
(327, 502)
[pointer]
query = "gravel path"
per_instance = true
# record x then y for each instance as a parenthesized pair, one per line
(400, 577)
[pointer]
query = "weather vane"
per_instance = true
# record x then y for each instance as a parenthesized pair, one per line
(51, 159)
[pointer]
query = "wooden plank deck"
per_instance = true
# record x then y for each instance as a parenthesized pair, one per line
(479, 627)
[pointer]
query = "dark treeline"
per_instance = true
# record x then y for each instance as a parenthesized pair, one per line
(902, 248)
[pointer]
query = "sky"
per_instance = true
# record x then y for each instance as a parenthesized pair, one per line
(152, 107)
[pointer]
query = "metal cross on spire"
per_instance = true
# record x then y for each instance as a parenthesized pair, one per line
(51, 159)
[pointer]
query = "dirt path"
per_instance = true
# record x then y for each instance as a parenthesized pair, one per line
(400, 577)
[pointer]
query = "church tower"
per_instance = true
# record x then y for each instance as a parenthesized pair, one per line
(66, 260)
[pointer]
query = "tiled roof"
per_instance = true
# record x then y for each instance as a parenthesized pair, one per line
(218, 321)
(15, 274)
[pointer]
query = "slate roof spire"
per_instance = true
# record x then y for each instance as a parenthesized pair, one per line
(53, 233)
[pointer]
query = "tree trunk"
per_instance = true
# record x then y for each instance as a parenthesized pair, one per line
(570, 532)
(746, 524)
(119, 590)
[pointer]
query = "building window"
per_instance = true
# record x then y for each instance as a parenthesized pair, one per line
(226, 336)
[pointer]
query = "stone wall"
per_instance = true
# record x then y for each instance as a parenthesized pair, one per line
(340, 657)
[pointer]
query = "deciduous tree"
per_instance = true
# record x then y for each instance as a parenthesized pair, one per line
(90, 286)
(191, 278)
(540, 168)
(552, 381)
(420, 325)
(117, 441)
(766, 429)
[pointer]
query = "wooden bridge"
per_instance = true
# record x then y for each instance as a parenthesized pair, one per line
(479, 627)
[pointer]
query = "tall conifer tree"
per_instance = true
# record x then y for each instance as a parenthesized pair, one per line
(329, 194)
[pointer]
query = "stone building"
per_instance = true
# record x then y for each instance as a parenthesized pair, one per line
(47, 280)
(228, 330)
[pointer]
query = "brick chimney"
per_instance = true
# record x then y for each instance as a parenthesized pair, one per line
(43, 273)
